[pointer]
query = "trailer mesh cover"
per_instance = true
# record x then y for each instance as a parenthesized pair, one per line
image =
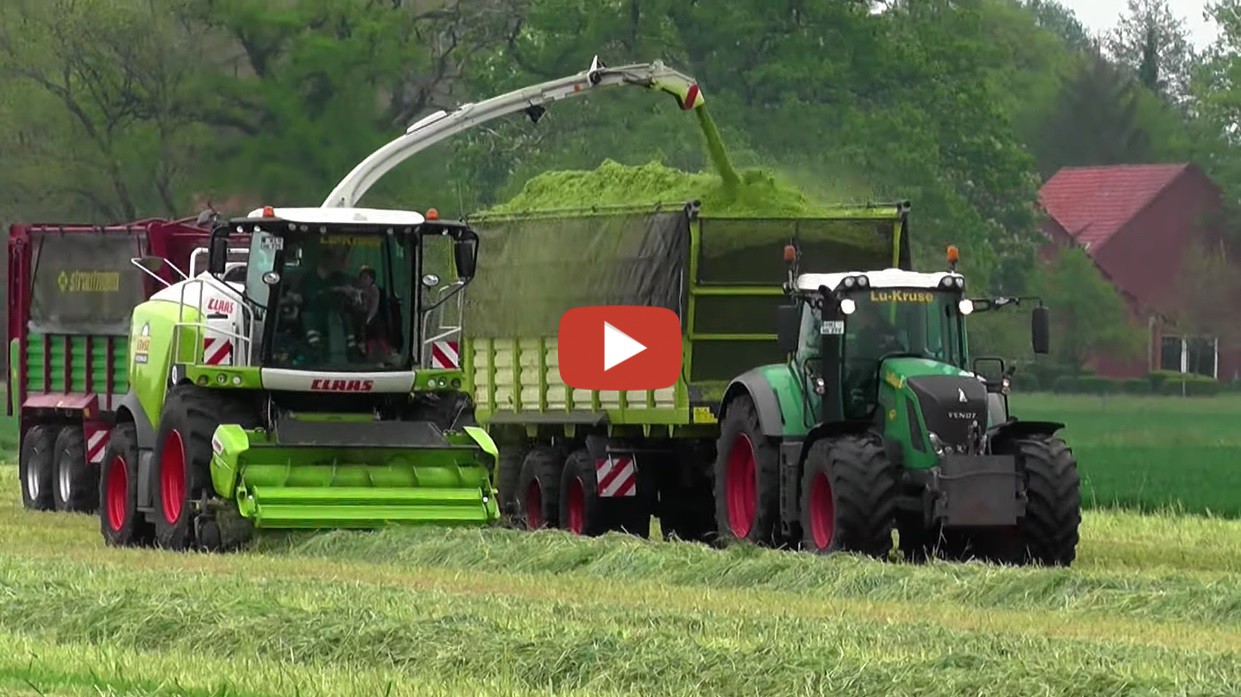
(83, 283)
(531, 271)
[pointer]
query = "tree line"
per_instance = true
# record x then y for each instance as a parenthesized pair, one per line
(113, 110)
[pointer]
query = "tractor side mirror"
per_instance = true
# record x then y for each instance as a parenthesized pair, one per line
(465, 254)
(217, 251)
(990, 368)
(1040, 330)
(788, 326)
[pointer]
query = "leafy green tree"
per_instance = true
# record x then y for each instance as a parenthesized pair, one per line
(1154, 45)
(1089, 315)
(1216, 88)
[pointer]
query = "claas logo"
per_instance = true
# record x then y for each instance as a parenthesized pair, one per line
(326, 385)
(89, 281)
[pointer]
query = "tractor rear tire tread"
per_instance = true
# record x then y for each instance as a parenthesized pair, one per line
(741, 417)
(864, 491)
(543, 463)
(135, 530)
(1049, 530)
(70, 452)
(37, 449)
(508, 470)
(194, 412)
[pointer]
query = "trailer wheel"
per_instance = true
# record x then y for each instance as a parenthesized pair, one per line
(183, 457)
(1048, 533)
(746, 476)
(538, 488)
(848, 492)
(120, 521)
(77, 484)
(581, 510)
(35, 466)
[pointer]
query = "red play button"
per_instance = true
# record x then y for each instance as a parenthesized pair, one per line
(619, 347)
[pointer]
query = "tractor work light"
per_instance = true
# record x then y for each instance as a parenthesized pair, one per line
(863, 282)
(847, 306)
(849, 282)
(966, 306)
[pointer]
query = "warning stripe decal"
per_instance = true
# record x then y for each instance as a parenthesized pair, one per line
(96, 441)
(617, 475)
(444, 354)
(217, 351)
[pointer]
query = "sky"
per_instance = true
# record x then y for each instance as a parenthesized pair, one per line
(1101, 15)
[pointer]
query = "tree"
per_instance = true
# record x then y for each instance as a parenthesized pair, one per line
(1089, 315)
(1154, 45)
(1216, 89)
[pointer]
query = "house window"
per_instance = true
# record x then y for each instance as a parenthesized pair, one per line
(1197, 355)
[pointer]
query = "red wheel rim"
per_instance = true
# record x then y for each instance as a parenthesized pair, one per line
(741, 486)
(822, 511)
(576, 504)
(118, 493)
(172, 477)
(534, 505)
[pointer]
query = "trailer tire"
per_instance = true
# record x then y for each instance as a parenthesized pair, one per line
(581, 510)
(848, 496)
(183, 452)
(1048, 533)
(538, 488)
(35, 468)
(120, 522)
(77, 483)
(746, 486)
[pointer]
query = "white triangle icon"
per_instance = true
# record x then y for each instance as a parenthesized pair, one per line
(618, 347)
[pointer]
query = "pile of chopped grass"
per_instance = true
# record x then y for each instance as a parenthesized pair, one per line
(758, 194)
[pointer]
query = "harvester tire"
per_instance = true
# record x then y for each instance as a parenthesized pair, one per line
(1048, 533)
(35, 468)
(581, 510)
(848, 496)
(538, 488)
(746, 477)
(77, 483)
(120, 521)
(183, 457)
(508, 471)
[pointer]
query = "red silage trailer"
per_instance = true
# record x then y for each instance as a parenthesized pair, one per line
(71, 291)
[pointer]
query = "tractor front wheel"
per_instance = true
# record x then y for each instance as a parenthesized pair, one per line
(77, 486)
(1048, 533)
(538, 488)
(848, 492)
(746, 476)
(119, 520)
(183, 457)
(35, 467)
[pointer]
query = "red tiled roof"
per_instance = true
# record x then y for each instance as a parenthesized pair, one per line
(1093, 203)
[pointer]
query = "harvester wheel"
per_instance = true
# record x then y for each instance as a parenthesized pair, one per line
(183, 457)
(508, 472)
(1048, 533)
(77, 484)
(848, 496)
(538, 488)
(581, 511)
(746, 476)
(119, 520)
(35, 468)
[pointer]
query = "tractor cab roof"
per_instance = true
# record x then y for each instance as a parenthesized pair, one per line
(339, 216)
(882, 278)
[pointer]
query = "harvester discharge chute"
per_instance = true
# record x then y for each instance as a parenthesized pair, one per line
(300, 391)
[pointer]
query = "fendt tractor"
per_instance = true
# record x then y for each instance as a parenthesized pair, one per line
(296, 392)
(861, 415)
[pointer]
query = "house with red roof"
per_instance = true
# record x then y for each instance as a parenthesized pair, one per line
(1137, 222)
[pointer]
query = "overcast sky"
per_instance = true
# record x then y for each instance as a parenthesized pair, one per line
(1101, 15)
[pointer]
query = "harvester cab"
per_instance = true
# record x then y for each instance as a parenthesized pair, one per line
(902, 421)
(297, 391)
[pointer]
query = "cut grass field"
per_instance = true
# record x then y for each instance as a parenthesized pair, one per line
(1150, 453)
(1152, 607)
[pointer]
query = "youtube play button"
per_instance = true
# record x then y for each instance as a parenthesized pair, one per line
(619, 347)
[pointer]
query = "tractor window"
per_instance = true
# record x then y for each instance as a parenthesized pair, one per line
(344, 299)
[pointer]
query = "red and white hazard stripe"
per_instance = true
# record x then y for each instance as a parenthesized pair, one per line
(444, 354)
(217, 351)
(96, 441)
(617, 476)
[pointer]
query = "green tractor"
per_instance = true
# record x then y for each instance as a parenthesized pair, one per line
(297, 389)
(879, 421)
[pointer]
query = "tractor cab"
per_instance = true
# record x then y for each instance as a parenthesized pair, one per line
(339, 289)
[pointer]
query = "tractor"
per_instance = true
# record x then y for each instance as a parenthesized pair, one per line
(297, 390)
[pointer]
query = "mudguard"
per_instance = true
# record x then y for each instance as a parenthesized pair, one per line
(142, 423)
(754, 383)
(1013, 429)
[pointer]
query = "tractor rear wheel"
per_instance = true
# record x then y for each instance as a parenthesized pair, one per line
(35, 467)
(848, 495)
(1048, 533)
(746, 476)
(77, 483)
(183, 457)
(120, 521)
(538, 488)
